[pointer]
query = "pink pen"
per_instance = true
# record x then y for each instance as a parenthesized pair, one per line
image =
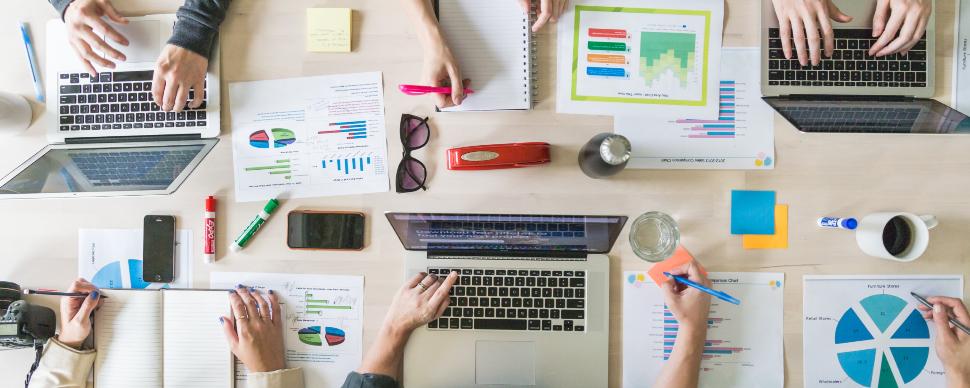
(417, 90)
(210, 230)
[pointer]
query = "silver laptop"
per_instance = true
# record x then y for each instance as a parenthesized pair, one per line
(530, 308)
(107, 136)
(853, 91)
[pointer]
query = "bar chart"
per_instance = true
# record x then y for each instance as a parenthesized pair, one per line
(722, 128)
(349, 129)
(348, 165)
(712, 347)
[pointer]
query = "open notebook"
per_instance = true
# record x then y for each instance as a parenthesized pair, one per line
(495, 47)
(162, 339)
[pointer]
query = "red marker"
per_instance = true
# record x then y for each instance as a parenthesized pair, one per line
(210, 230)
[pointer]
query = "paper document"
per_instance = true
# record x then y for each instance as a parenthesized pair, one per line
(309, 137)
(865, 331)
(323, 329)
(328, 29)
(645, 58)
(744, 347)
(741, 137)
(112, 258)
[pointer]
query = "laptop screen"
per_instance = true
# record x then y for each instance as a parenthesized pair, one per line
(84, 170)
(871, 116)
(495, 232)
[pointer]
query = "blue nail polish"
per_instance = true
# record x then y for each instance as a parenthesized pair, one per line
(95, 295)
(252, 289)
(222, 320)
(271, 292)
(239, 286)
(97, 308)
(231, 291)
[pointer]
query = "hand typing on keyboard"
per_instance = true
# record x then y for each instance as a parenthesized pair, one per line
(796, 18)
(82, 19)
(907, 17)
(179, 77)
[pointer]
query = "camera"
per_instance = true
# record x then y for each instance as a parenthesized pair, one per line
(23, 325)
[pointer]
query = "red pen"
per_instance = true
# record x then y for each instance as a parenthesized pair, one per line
(210, 230)
(417, 90)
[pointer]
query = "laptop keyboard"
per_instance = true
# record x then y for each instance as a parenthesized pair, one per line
(514, 299)
(850, 64)
(149, 168)
(835, 119)
(118, 100)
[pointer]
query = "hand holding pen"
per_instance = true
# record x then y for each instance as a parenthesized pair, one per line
(952, 341)
(689, 305)
(76, 313)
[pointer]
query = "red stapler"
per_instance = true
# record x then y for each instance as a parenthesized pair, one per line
(498, 156)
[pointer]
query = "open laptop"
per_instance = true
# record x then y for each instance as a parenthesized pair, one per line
(107, 136)
(530, 308)
(853, 91)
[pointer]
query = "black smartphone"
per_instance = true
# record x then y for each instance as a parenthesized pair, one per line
(325, 230)
(158, 250)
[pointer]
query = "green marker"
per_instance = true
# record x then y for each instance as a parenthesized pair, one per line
(254, 226)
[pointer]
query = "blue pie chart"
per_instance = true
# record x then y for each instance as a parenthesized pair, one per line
(110, 276)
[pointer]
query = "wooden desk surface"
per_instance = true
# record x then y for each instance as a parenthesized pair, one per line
(847, 175)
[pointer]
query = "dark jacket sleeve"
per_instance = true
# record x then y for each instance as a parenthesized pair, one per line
(198, 23)
(61, 6)
(368, 380)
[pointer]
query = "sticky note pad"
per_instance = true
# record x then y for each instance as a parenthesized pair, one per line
(680, 257)
(752, 212)
(328, 30)
(779, 240)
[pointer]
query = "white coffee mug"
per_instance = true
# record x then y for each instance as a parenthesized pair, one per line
(15, 114)
(869, 235)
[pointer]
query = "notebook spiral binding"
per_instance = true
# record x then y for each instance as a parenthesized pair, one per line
(531, 72)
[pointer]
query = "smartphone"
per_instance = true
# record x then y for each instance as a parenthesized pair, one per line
(159, 249)
(338, 231)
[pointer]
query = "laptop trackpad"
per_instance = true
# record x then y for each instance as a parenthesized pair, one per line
(505, 363)
(143, 41)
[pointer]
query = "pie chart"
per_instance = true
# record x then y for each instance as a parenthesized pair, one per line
(860, 365)
(311, 336)
(282, 137)
(110, 275)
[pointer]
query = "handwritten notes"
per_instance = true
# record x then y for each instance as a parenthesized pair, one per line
(328, 30)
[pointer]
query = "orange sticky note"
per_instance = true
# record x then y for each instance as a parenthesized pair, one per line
(777, 241)
(680, 257)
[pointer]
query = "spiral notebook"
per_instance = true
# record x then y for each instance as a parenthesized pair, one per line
(495, 47)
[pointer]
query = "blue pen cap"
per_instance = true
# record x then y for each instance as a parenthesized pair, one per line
(849, 223)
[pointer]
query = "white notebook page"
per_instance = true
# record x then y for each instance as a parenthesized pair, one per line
(490, 39)
(128, 338)
(196, 351)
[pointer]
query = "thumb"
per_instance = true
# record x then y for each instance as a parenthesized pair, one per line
(457, 94)
(112, 13)
(90, 303)
(230, 330)
(836, 14)
(942, 319)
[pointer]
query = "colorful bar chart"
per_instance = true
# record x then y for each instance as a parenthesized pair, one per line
(351, 164)
(724, 126)
(353, 129)
(711, 347)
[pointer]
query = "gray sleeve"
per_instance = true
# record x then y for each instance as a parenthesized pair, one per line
(368, 380)
(61, 6)
(198, 23)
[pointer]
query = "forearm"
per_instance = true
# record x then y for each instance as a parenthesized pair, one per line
(384, 358)
(421, 13)
(198, 23)
(62, 366)
(682, 369)
(61, 6)
(956, 379)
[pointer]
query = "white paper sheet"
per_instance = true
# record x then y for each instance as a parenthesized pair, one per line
(741, 138)
(745, 343)
(615, 58)
(309, 137)
(865, 331)
(961, 58)
(112, 258)
(315, 305)
(126, 318)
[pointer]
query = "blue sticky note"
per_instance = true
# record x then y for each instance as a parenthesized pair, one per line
(753, 212)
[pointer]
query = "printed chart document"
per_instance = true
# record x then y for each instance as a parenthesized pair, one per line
(645, 58)
(323, 326)
(741, 137)
(744, 346)
(865, 331)
(309, 137)
(112, 258)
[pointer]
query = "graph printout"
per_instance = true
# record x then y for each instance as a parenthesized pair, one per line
(865, 331)
(309, 137)
(744, 346)
(640, 58)
(741, 137)
(322, 330)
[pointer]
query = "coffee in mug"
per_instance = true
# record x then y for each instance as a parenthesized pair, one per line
(897, 235)
(894, 235)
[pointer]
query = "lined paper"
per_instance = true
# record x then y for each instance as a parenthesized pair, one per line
(196, 351)
(490, 39)
(128, 334)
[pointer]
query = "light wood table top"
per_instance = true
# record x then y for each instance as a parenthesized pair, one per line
(847, 175)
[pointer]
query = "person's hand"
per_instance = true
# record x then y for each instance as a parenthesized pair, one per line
(548, 11)
(82, 18)
(256, 337)
(76, 313)
(690, 306)
(414, 306)
(952, 344)
(176, 72)
(440, 65)
(912, 15)
(801, 17)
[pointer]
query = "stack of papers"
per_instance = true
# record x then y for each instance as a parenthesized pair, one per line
(755, 215)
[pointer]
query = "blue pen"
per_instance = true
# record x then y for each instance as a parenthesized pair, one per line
(719, 294)
(33, 63)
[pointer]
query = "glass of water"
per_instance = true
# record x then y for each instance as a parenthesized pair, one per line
(654, 236)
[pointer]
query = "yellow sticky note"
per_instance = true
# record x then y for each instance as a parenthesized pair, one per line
(777, 241)
(328, 30)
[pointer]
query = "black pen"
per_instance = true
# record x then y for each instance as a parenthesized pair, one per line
(58, 293)
(927, 304)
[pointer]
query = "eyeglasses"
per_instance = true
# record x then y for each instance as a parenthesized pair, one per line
(411, 173)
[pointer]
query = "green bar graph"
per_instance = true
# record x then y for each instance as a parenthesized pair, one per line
(283, 161)
(317, 301)
(317, 306)
(267, 167)
(279, 172)
(287, 177)
(607, 46)
(662, 51)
